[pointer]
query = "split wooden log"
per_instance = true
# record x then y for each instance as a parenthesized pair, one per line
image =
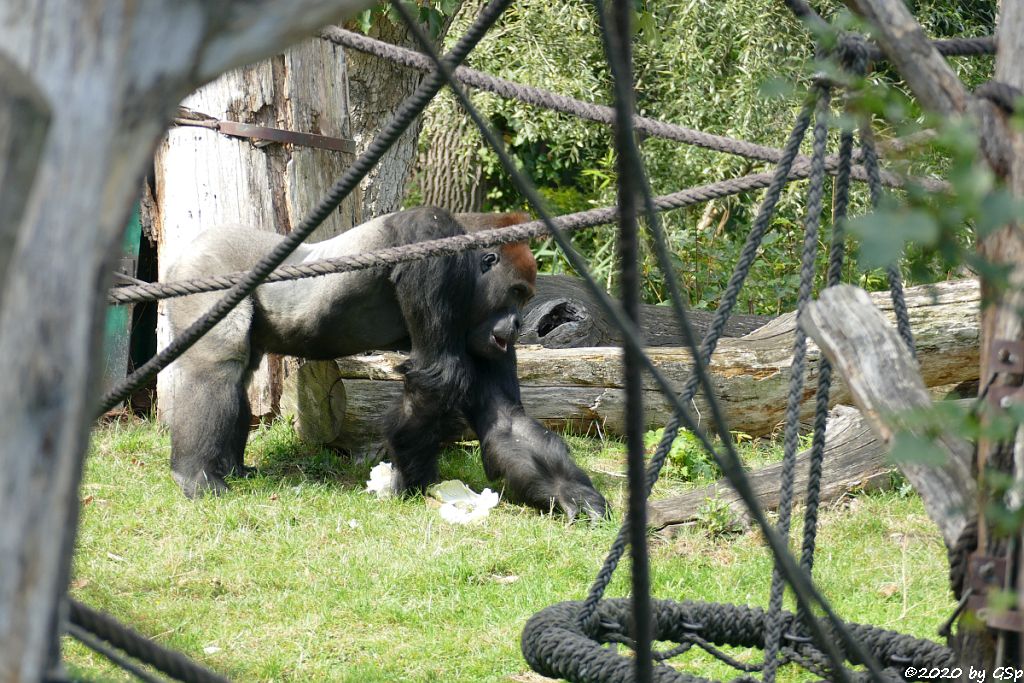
(581, 389)
(882, 378)
(854, 458)
(564, 314)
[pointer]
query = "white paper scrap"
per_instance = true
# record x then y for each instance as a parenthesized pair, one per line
(382, 480)
(462, 505)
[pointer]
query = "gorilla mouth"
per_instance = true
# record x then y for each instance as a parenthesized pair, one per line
(500, 342)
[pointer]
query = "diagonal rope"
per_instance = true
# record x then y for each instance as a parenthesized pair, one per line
(403, 118)
(589, 111)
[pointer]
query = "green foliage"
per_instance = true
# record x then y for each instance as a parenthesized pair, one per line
(687, 459)
(737, 69)
(430, 13)
(715, 517)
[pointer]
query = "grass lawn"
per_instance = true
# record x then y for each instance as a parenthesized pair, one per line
(297, 575)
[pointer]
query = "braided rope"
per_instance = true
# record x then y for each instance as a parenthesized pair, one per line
(821, 399)
(815, 193)
(403, 118)
(554, 643)
(174, 664)
(593, 112)
(892, 271)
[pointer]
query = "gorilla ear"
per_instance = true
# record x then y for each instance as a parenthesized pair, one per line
(489, 260)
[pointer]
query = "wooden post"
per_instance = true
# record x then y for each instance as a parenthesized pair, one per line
(935, 84)
(112, 72)
(205, 179)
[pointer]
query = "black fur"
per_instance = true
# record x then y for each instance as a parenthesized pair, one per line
(457, 315)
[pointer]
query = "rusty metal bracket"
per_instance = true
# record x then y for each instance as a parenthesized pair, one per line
(246, 130)
(1006, 357)
(264, 134)
(987, 573)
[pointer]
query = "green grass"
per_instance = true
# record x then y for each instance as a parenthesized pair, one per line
(297, 575)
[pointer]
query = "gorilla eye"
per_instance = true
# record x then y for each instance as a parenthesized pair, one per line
(488, 261)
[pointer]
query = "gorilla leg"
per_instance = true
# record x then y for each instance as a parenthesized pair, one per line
(209, 425)
(210, 416)
(415, 428)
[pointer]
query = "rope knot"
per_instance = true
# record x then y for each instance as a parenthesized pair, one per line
(853, 53)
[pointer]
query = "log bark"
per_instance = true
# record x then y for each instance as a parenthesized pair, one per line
(564, 314)
(854, 458)
(112, 73)
(581, 389)
(882, 378)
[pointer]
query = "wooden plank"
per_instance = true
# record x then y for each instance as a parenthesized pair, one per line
(884, 382)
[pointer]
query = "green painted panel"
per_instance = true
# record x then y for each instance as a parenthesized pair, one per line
(118, 329)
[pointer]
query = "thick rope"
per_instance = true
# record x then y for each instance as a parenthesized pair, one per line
(615, 29)
(815, 193)
(589, 111)
(555, 644)
(174, 664)
(156, 291)
(403, 118)
(892, 271)
(821, 399)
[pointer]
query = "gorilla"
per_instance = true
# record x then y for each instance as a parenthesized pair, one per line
(458, 316)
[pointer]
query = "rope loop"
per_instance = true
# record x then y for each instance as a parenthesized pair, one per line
(1003, 95)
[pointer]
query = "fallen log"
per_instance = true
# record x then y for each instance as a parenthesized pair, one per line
(854, 458)
(564, 314)
(580, 389)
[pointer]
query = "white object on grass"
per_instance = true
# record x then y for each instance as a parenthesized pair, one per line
(382, 480)
(462, 505)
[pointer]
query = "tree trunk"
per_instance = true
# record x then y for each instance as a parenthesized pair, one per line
(448, 172)
(205, 178)
(377, 86)
(112, 74)
(581, 389)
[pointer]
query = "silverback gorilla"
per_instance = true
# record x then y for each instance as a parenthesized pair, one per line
(458, 316)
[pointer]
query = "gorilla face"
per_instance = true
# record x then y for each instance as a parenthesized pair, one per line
(506, 283)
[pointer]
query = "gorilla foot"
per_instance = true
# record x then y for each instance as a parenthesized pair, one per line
(242, 471)
(575, 499)
(198, 485)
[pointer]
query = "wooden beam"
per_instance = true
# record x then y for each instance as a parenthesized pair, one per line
(883, 380)
(854, 458)
(909, 50)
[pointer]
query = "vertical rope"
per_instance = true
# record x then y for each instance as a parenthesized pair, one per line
(617, 38)
(817, 455)
(766, 211)
(892, 271)
(773, 629)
